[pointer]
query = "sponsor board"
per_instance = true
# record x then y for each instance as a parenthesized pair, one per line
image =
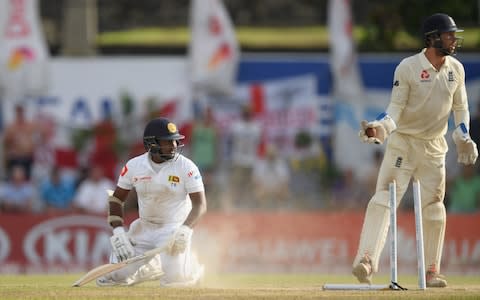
(244, 242)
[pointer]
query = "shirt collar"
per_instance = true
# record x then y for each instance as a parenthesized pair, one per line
(426, 63)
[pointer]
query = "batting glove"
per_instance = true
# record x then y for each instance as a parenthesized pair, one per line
(121, 244)
(384, 126)
(181, 239)
(467, 151)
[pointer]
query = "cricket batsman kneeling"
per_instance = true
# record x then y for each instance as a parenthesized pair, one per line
(171, 199)
(427, 88)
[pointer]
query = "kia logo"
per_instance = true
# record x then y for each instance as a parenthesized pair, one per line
(70, 239)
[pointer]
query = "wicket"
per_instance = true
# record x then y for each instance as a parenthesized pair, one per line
(417, 202)
(393, 245)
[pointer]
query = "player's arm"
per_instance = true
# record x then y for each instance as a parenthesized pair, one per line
(184, 233)
(467, 152)
(387, 121)
(121, 244)
(199, 208)
(116, 202)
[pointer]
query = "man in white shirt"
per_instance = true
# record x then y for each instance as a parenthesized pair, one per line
(171, 200)
(90, 195)
(427, 88)
(245, 138)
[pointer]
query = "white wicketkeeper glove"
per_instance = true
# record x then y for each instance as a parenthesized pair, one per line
(181, 239)
(467, 151)
(121, 244)
(383, 125)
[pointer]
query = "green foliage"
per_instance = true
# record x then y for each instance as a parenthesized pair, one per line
(380, 33)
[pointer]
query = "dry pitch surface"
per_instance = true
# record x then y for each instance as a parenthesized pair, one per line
(230, 286)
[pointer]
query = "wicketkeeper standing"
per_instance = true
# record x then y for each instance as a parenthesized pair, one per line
(171, 199)
(427, 87)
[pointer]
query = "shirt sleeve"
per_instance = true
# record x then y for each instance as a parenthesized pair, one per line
(194, 181)
(400, 92)
(460, 101)
(125, 177)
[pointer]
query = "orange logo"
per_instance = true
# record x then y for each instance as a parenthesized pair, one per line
(222, 53)
(19, 56)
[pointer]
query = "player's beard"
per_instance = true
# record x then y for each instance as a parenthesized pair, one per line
(157, 155)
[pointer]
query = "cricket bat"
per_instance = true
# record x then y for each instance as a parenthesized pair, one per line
(107, 268)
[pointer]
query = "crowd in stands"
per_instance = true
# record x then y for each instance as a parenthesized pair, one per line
(240, 169)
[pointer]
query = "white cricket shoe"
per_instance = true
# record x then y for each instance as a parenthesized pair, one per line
(363, 271)
(435, 280)
(142, 277)
(149, 272)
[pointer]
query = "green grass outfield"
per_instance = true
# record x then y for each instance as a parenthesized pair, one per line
(230, 286)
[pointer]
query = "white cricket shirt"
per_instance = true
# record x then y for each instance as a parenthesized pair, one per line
(423, 97)
(163, 195)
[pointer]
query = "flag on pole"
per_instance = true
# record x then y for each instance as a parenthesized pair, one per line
(348, 85)
(214, 51)
(23, 50)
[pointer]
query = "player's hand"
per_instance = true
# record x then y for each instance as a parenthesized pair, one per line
(467, 151)
(121, 244)
(181, 239)
(383, 126)
(379, 130)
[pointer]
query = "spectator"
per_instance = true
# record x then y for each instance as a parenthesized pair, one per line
(475, 125)
(245, 141)
(310, 172)
(475, 129)
(44, 155)
(57, 191)
(204, 149)
(465, 191)
(348, 192)
(91, 195)
(18, 195)
(19, 143)
(271, 180)
(104, 150)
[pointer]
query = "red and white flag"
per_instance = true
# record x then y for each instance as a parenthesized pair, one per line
(214, 51)
(343, 58)
(23, 50)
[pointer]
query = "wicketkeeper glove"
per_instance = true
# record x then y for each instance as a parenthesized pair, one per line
(467, 151)
(121, 244)
(181, 239)
(383, 125)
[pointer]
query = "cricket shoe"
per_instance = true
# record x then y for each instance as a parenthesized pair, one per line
(149, 272)
(363, 271)
(435, 280)
(142, 277)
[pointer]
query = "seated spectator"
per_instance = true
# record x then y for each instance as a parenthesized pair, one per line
(57, 191)
(91, 196)
(271, 180)
(465, 192)
(18, 195)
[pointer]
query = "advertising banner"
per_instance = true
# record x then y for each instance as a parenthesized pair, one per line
(237, 242)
